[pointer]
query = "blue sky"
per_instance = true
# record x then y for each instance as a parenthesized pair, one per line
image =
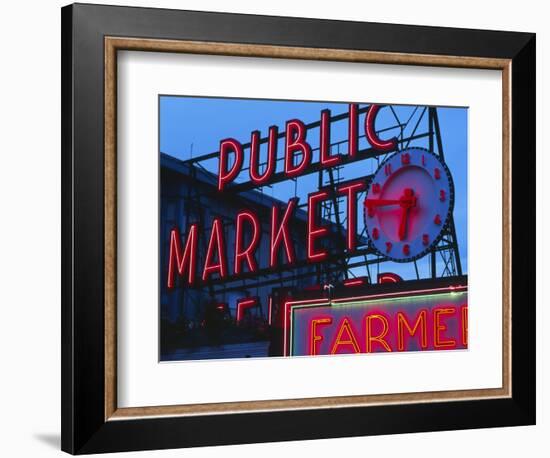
(194, 126)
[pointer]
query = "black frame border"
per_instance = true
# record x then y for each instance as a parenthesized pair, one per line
(84, 429)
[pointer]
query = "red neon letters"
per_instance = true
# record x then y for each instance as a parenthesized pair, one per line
(298, 156)
(314, 231)
(353, 131)
(255, 176)
(316, 338)
(245, 304)
(345, 337)
(295, 141)
(227, 176)
(372, 136)
(388, 332)
(351, 190)
(217, 244)
(246, 254)
(178, 261)
(324, 142)
(297, 150)
(248, 233)
(280, 232)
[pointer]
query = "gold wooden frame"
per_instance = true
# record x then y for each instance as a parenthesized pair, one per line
(112, 45)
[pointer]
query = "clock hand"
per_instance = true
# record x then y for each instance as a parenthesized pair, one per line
(408, 200)
(369, 203)
(403, 223)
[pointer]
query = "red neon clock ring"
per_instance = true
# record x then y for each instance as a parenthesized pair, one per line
(408, 204)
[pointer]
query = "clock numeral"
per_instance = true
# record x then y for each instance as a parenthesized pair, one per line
(388, 247)
(423, 160)
(375, 233)
(406, 249)
(387, 169)
(376, 188)
(425, 239)
(405, 159)
(437, 173)
(370, 211)
(437, 220)
(442, 195)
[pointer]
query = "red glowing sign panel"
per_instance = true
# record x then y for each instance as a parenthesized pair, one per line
(418, 320)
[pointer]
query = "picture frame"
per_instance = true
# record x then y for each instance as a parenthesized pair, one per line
(92, 37)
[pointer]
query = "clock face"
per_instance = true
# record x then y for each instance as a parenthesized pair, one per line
(409, 201)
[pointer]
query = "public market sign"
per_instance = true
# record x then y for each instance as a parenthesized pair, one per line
(298, 160)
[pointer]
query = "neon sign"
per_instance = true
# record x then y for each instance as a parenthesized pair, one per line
(421, 320)
(183, 259)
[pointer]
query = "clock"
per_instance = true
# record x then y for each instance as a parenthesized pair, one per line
(408, 204)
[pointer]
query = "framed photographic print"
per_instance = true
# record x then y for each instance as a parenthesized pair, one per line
(281, 228)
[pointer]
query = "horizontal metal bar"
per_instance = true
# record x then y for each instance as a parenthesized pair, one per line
(290, 278)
